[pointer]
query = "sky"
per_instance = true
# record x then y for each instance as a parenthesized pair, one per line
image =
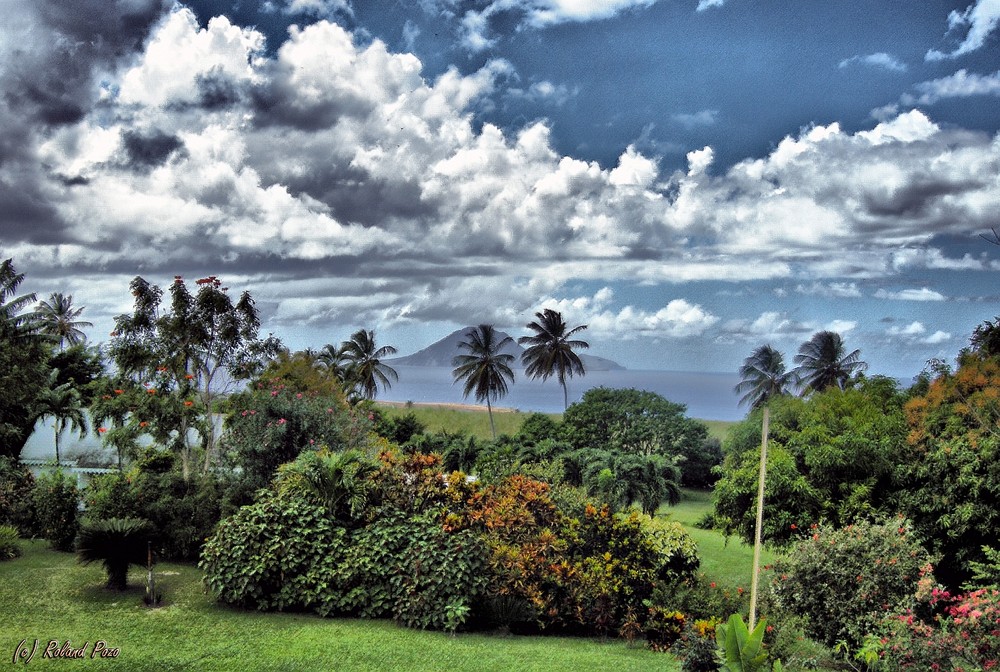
(689, 178)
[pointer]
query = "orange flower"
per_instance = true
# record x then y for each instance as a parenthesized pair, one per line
(794, 526)
(143, 423)
(119, 391)
(101, 430)
(189, 377)
(151, 390)
(189, 403)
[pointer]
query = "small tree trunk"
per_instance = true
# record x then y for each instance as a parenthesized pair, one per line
(58, 432)
(490, 411)
(760, 518)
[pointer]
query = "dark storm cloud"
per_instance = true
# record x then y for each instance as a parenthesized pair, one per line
(216, 91)
(919, 197)
(149, 150)
(47, 81)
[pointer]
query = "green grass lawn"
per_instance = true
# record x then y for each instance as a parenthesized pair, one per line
(725, 561)
(46, 596)
(473, 422)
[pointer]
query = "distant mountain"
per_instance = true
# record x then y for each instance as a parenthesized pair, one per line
(441, 352)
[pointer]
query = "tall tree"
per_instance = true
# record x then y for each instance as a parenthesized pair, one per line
(57, 319)
(763, 377)
(485, 368)
(549, 351)
(823, 361)
(173, 365)
(24, 367)
(64, 405)
(364, 366)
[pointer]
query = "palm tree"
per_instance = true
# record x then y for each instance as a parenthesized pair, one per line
(339, 481)
(14, 323)
(550, 350)
(364, 368)
(64, 405)
(335, 360)
(822, 362)
(57, 319)
(485, 369)
(763, 377)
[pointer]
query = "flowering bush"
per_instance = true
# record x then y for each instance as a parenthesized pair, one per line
(955, 633)
(843, 581)
(272, 424)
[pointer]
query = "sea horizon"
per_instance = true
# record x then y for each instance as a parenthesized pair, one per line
(707, 395)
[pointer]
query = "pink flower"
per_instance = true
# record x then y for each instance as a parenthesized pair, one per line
(282, 421)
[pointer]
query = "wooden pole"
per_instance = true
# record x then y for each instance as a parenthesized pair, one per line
(760, 518)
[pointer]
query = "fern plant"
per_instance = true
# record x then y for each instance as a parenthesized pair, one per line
(116, 543)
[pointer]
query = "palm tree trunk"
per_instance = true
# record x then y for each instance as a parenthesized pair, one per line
(58, 429)
(760, 517)
(565, 395)
(489, 409)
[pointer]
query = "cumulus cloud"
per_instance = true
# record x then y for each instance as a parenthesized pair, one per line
(961, 84)
(915, 333)
(878, 60)
(978, 21)
(337, 180)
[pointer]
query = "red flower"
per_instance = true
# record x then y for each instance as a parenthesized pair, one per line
(189, 403)
(143, 423)
(794, 526)
(151, 390)
(101, 430)
(189, 377)
(119, 391)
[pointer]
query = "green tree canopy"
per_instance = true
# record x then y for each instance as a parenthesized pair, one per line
(24, 366)
(831, 458)
(947, 479)
(634, 421)
(173, 365)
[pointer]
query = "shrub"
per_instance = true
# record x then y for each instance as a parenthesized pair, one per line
(946, 632)
(272, 424)
(843, 581)
(116, 543)
(9, 548)
(413, 569)
(57, 501)
(16, 485)
(182, 513)
(279, 553)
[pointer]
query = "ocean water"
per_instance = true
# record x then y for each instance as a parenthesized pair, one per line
(708, 396)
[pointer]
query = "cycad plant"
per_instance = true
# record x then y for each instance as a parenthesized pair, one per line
(339, 481)
(116, 543)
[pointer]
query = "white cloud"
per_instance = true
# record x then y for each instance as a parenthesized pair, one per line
(912, 329)
(877, 60)
(937, 337)
(678, 319)
(914, 333)
(961, 84)
(696, 119)
(922, 294)
(980, 19)
(840, 290)
(706, 4)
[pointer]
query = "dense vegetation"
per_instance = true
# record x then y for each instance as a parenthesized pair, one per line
(878, 503)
